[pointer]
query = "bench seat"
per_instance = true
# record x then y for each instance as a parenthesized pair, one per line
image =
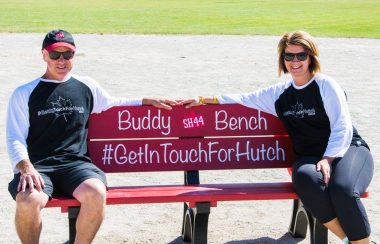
(190, 193)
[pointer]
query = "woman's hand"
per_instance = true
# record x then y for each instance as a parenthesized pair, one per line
(324, 165)
(188, 103)
(160, 103)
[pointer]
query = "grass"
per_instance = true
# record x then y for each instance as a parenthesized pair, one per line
(338, 18)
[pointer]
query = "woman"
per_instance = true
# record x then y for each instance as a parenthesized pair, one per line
(334, 165)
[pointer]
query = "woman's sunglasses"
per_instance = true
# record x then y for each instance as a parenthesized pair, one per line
(66, 55)
(300, 56)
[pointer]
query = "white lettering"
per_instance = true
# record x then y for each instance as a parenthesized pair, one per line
(224, 122)
(146, 122)
(123, 159)
(210, 152)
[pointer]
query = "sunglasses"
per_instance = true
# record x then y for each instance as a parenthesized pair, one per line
(300, 56)
(66, 55)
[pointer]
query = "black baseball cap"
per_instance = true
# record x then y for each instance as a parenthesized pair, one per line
(58, 38)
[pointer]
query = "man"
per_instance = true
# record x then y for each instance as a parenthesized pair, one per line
(46, 136)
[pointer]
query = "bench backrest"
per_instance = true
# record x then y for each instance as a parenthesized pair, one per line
(144, 139)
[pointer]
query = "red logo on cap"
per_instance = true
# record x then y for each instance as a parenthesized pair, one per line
(59, 35)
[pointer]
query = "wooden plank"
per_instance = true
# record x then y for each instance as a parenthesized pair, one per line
(190, 193)
(212, 120)
(192, 154)
(201, 193)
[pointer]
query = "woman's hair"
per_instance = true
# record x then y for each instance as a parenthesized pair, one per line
(300, 38)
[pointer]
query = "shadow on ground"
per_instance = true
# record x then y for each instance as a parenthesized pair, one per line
(285, 239)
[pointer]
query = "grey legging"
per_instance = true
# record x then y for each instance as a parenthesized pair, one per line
(350, 177)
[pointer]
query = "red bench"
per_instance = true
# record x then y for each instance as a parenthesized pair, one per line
(220, 137)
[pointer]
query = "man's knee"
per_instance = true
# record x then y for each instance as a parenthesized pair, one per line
(91, 190)
(31, 200)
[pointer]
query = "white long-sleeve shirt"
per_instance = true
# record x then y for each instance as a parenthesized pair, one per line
(316, 114)
(47, 119)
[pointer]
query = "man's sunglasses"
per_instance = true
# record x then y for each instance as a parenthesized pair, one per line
(300, 56)
(66, 55)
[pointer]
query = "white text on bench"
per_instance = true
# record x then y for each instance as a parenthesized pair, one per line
(191, 122)
(147, 122)
(204, 153)
(224, 122)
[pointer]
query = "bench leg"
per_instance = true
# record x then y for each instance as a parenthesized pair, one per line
(195, 223)
(301, 219)
(188, 223)
(318, 232)
(72, 214)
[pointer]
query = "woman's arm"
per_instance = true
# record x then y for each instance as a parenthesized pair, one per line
(336, 107)
(263, 99)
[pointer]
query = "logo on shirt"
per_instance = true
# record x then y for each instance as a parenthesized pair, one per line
(298, 111)
(61, 107)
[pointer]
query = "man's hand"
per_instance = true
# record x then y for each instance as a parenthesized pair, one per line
(324, 165)
(29, 177)
(160, 103)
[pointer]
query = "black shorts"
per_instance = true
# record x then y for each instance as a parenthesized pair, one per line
(62, 180)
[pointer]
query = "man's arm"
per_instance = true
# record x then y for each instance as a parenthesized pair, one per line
(17, 126)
